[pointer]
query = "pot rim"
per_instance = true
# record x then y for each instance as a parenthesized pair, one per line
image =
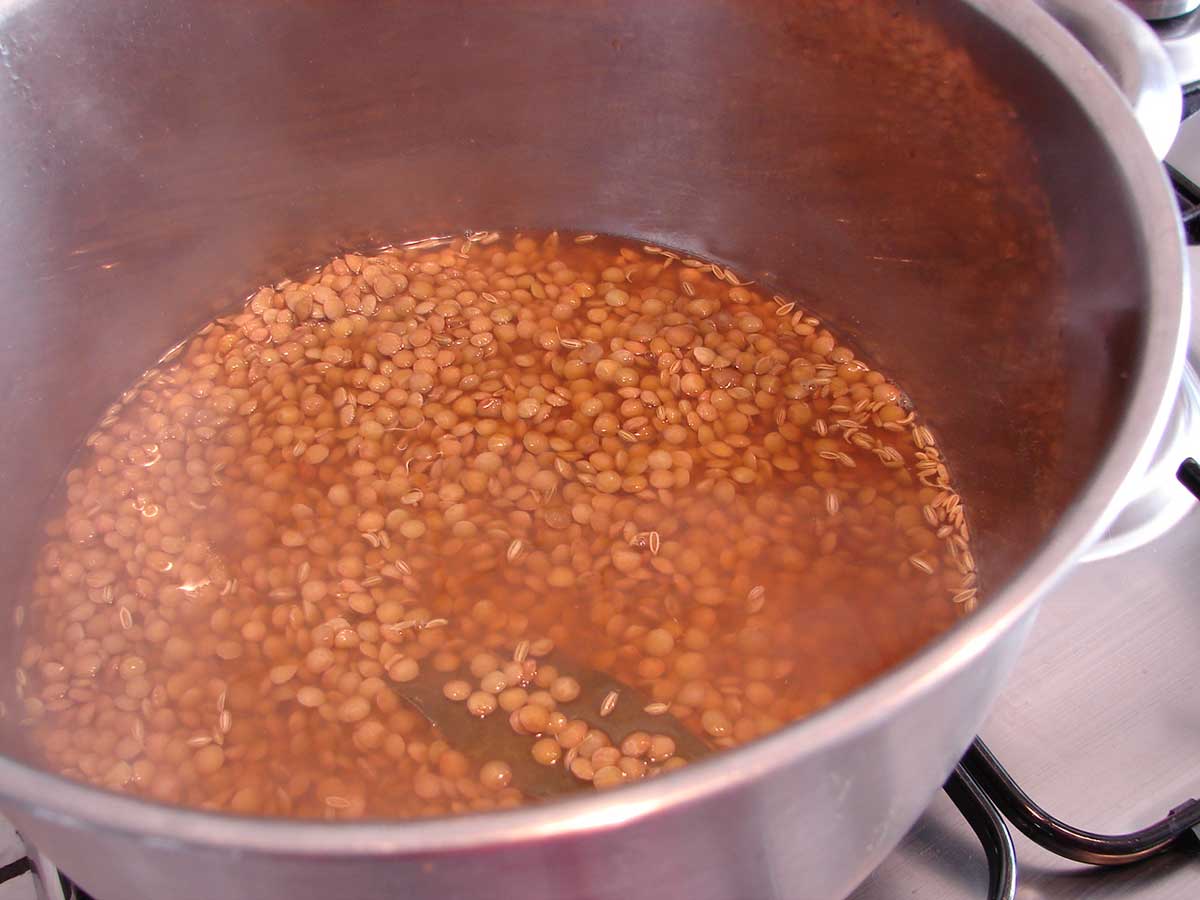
(1154, 382)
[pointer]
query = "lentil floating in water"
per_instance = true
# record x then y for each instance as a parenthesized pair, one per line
(450, 458)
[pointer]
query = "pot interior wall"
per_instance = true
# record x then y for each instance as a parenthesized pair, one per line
(951, 211)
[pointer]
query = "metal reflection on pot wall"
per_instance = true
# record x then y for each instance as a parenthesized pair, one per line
(1133, 57)
(1162, 9)
(921, 173)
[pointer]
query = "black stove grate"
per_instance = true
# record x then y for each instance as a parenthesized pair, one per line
(14, 869)
(994, 793)
(984, 791)
(1187, 194)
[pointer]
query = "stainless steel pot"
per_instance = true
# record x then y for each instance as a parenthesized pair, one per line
(987, 221)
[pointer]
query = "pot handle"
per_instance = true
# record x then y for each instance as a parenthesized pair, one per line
(1128, 50)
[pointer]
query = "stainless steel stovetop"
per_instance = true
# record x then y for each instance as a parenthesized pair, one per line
(1100, 724)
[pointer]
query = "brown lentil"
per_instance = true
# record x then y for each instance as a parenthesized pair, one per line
(413, 461)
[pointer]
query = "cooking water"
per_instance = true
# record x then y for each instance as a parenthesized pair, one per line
(443, 460)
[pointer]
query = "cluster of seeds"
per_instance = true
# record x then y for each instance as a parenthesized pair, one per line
(440, 451)
(530, 692)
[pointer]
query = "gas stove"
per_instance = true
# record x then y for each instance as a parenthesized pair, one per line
(1098, 725)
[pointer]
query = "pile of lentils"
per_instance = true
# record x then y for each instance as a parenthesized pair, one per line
(439, 455)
